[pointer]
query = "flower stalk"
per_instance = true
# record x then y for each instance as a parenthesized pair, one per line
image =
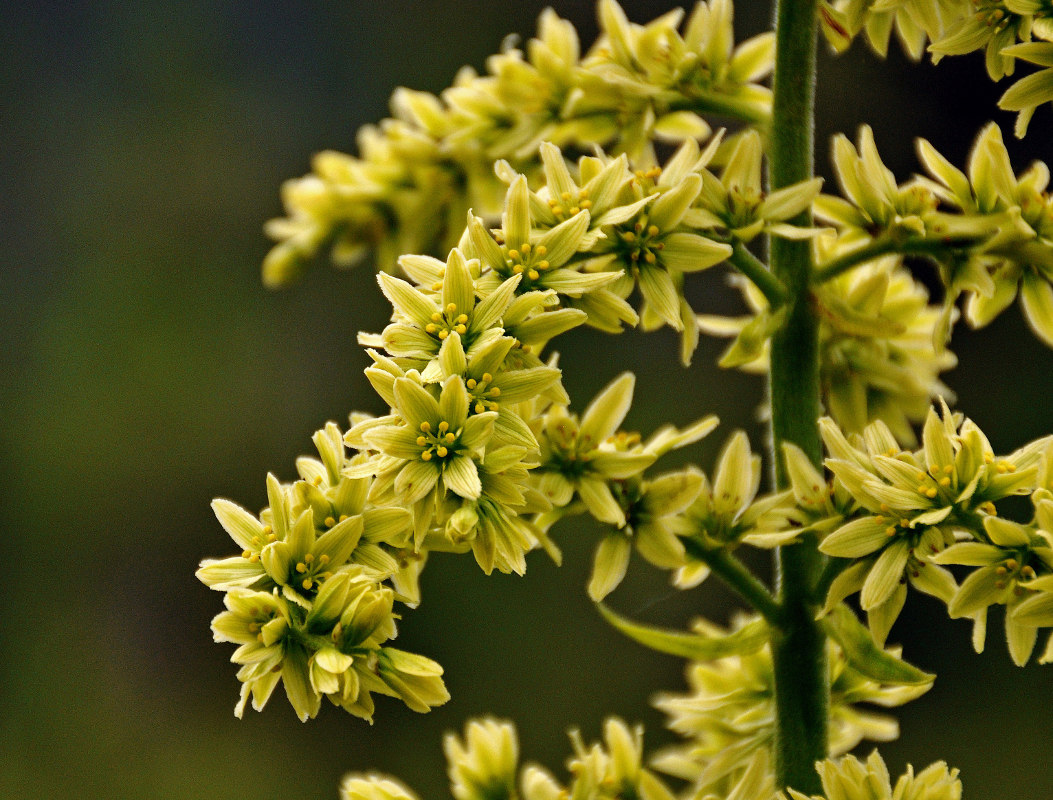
(798, 646)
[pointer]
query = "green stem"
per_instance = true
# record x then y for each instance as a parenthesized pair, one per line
(739, 578)
(802, 691)
(883, 245)
(757, 271)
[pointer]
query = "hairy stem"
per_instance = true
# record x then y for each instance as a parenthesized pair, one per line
(757, 271)
(802, 692)
(740, 579)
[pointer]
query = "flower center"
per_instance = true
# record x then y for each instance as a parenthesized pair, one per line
(438, 444)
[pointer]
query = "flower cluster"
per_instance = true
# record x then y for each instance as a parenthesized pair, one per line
(484, 765)
(728, 715)
(419, 172)
(937, 505)
(1003, 29)
(988, 230)
(310, 598)
(851, 779)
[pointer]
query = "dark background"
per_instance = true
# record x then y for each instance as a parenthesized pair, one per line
(145, 370)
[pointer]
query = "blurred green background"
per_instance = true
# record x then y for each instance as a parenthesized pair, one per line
(146, 370)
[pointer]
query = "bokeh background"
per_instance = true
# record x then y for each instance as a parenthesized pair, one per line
(145, 370)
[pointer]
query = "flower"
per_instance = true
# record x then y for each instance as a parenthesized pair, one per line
(484, 764)
(727, 716)
(851, 779)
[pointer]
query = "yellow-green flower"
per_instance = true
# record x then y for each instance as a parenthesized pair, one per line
(851, 779)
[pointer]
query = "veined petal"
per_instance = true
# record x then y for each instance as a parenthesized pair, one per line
(856, 539)
(490, 309)
(453, 402)
(1036, 295)
(517, 213)
(457, 286)
(611, 562)
(415, 480)
(557, 176)
(619, 465)
(689, 252)
(660, 292)
(461, 476)
(671, 206)
(400, 442)
(607, 410)
(885, 575)
(243, 527)
(563, 241)
(733, 485)
(478, 429)
(979, 590)
(408, 301)
(415, 404)
(600, 502)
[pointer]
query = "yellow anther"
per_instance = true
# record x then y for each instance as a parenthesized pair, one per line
(450, 438)
(425, 426)
(272, 537)
(471, 383)
(583, 193)
(308, 558)
(890, 530)
(543, 264)
(452, 307)
(921, 488)
(461, 329)
(426, 455)
(649, 257)
(301, 568)
(891, 452)
(541, 250)
(330, 522)
(575, 210)
(920, 476)
(518, 269)
(1002, 467)
(441, 451)
(884, 507)
(988, 458)
(652, 230)
(444, 334)
(904, 522)
(494, 406)
(495, 392)
(462, 319)
(945, 481)
(513, 254)
(307, 583)
(268, 529)
(526, 247)
(527, 348)
(436, 286)
(1012, 563)
(557, 210)
(1011, 467)
(343, 517)
(317, 480)
(430, 327)
(533, 274)
(634, 255)
(565, 195)
(1028, 572)
(653, 172)
(421, 441)
(436, 317)
(629, 236)
(948, 468)
(246, 554)
(930, 493)
(444, 426)
(479, 408)
(323, 559)
(585, 204)
(933, 469)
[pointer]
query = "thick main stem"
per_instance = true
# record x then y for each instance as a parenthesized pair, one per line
(802, 692)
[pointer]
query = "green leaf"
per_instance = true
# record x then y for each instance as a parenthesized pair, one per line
(865, 656)
(695, 646)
